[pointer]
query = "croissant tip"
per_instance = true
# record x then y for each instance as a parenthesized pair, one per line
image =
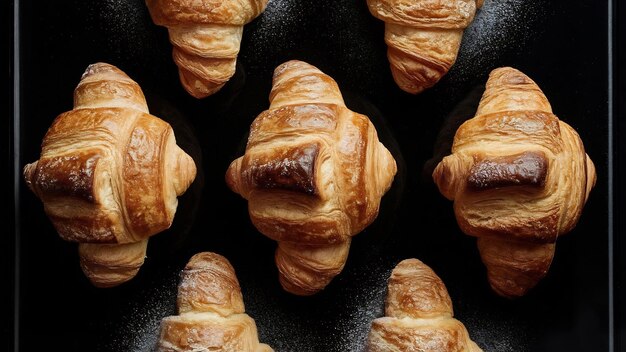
(100, 67)
(509, 76)
(29, 172)
(109, 265)
(197, 87)
(291, 65)
(185, 172)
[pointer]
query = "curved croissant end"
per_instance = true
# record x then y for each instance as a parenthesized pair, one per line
(423, 38)
(313, 173)
(182, 168)
(508, 89)
(104, 85)
(211, 311)
(297, 82)
(206, 37)
(418, 314)
(519, 178)
(305, 270)
(109, 174)
(109, 265)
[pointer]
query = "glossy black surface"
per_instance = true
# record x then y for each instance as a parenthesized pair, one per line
(562, 45)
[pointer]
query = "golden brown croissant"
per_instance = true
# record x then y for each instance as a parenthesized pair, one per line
(109, 175)
(313, 173)
(423, 37)
(206, 36)
(519, 178)
(418, 314)
(211, 311)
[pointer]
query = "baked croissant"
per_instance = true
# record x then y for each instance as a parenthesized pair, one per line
(109, 175)
(418, 314)
(423, 37)
(211, 311)
(206, 36)
(313, 173)
(519, 178)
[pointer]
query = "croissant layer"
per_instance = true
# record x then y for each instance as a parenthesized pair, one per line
(313, 173)
(519, 178)
(423, 37)
(109, 174)
(206, 37)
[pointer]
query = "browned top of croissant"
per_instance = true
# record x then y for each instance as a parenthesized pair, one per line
(418, 314)
(517, 164)
(426, 13)
(109, 172)
(232, 12)
(211, 311)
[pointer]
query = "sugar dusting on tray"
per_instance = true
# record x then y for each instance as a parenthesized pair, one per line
(142, 321)
(272, 32)
(369, 303)
(500, 27)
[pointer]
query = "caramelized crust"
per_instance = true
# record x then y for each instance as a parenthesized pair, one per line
(313, 174)
(290, 169)
(525, 169)
(519, 178)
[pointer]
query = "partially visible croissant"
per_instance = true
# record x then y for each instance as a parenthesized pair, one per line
(211, 311)
(206, 35)
(313, 173)
(109, 175)
(519, 178)
(423, 37)
(418, 314)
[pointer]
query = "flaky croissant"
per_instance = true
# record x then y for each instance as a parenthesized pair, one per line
(313, 173)
(109, 175)
(423, 37)
(418, 314)
(519, 178)
(206, 36)
(211, 311)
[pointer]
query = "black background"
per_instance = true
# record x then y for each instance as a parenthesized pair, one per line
(563, 46)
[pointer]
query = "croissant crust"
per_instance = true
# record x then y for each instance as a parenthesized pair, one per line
(109, 174)
(206, 37)
(519, 178)
(418, 314)
(423, 37)
(313, 174)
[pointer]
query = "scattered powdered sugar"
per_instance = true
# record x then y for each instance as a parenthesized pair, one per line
(510, 334)
(272, 34)
(138, 330)
(500, 27)
(129, 34)
(368, 303)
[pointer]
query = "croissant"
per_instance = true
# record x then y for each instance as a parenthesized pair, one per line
(519, 178)
(313, 173)
(423, 37)
(418, 314)
(211, 311)
(109, 175)
(206, 36)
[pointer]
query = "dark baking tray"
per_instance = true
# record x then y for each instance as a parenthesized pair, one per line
(569, 48)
